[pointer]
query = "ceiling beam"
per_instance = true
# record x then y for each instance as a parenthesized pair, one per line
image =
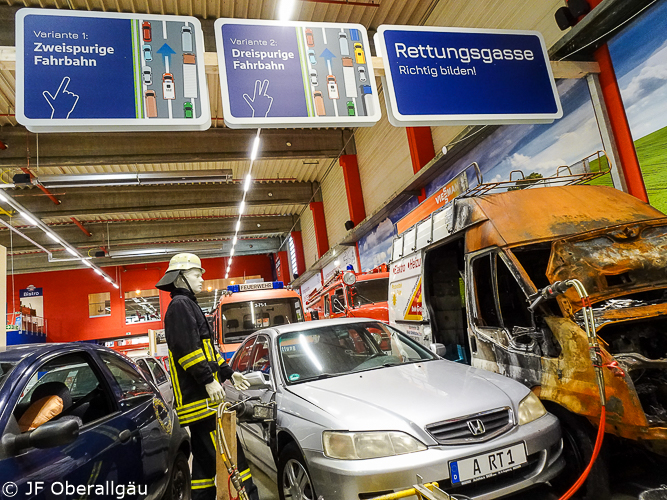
(151, 233)
(214, 144)
(38, 262)
(81, 202)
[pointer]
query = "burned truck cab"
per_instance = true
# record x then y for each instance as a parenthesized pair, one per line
(482, 257)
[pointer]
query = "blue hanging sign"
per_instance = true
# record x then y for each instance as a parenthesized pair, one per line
(96, 71)
(450, 76)
(276, 74)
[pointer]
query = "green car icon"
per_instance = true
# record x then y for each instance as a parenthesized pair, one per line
(350, 108)
(187, 109)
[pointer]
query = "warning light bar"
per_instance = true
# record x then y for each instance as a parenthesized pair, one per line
(246, 287)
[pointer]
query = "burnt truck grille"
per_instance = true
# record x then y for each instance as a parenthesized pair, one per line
(472, 428)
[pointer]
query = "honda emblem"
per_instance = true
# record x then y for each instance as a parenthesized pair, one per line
(476, 427)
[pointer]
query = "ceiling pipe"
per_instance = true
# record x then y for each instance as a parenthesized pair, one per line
(36, 182)
(136, 178)
(85, 231)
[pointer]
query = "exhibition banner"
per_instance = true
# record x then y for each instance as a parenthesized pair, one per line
(96, 71)
(276, 74)
(448, 76)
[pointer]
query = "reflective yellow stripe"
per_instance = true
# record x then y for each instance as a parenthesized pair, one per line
(214, 439)
(193, 361)
(199, 484)
(174, 380)
(190, 407)
(245, 475)
(210, 353)
(188, 357)
(192, 417)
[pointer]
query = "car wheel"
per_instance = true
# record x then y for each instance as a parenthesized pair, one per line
(578, 444)
(179, 481)
(294, 482)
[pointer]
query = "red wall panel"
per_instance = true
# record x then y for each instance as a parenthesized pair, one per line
(66, 295)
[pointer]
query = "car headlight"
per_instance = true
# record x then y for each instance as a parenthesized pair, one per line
(358, 445)
(530, 408)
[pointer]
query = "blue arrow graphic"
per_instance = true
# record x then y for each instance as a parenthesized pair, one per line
(166, 52)
(328, 55)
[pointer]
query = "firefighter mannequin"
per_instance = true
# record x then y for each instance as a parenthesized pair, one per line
(197, 370)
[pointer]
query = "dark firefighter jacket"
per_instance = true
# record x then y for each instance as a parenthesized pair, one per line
(193, 361)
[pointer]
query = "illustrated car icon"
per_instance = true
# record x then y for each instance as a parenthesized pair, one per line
(313, 77)
(344, 47)
(147, 75)
(148, 53)
(186, 38)
(350, 108)
(187, 109)
(319, 103)
(151, 104)
(311, 56)
(168, 89)
(332, 87)
(359, 54)
(146, 31)
(310, 40)
(362, 74)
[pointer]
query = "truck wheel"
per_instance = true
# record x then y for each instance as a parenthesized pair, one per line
(179, 480)
(294, 482)
(578, 444)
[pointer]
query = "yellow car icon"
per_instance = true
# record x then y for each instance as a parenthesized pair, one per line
(359, 54)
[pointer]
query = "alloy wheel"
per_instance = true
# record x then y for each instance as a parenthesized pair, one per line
(296, 482)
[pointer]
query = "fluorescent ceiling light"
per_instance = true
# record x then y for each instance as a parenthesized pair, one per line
(231, 252)
(109, 280)
(115, 286)
(3, 198)
(248, 181)
(229, 262)
(28, 218)
(255, 147)
(241, 207)
(226, 275)
(136, 252)
(53, 237)
(285, 10)
(99, 272)
(235, 240)
(238, 225)
(86, 262)
(71, 251)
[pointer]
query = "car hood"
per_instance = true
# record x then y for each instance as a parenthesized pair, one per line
(406, 397)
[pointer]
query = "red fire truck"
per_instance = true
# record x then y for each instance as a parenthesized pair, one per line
(353, 295)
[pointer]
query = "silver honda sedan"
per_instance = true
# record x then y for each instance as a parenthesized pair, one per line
(350, 409)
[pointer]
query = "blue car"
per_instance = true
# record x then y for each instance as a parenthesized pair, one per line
(77, 417)
(148, 52)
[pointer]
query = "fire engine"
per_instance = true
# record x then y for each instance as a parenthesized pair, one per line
(248, 307)
(353, 295)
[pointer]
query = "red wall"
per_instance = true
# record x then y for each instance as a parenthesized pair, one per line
(66, 295)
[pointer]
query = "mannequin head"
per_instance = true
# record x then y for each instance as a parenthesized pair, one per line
(193, 278)
(185, 272)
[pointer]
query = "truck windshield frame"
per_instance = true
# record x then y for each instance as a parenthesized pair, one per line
(240, 319)
(368, 292)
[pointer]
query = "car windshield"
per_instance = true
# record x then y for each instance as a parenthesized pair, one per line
(331, 351)
(240, 319)
(368, 292)
(5, 369)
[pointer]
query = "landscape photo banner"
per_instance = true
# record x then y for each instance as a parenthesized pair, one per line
(466, 76)
(277, 74)
(94, 71)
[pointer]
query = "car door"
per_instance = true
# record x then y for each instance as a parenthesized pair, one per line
(162, 380)
(146, 415)
(240, 363)
(101, 453)
(257, 435)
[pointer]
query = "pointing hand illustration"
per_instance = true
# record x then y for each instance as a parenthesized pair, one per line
(63, 103)
(261, 101)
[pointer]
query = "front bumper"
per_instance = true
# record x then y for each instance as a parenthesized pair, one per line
(354, 479)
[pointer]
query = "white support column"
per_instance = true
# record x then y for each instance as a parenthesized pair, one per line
(3, 295)
(604, 125)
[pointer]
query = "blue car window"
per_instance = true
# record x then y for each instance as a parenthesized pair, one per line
(158, 372)
(144, 369)
(133, 387)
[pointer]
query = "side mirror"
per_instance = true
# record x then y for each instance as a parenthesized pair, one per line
(438, 349)
(257, 380)
(48, 435)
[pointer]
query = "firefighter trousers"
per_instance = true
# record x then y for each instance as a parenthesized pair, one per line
(204, 444)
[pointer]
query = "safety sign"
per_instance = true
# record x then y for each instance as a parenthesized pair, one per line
(276, 74)
(448, 76)
(95, 71)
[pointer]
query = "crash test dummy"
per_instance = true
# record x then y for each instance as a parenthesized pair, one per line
(197, 370)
